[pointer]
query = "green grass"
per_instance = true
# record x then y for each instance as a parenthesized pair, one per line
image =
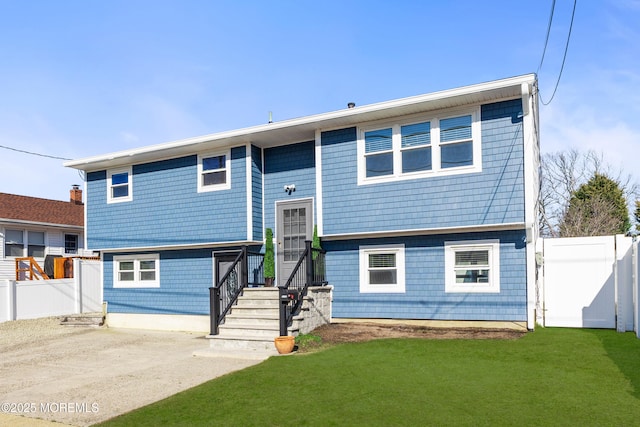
(551, 377)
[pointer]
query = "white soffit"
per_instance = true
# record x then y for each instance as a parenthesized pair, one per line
(304, 128)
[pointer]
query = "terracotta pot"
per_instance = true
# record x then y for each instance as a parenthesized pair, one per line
(285, 344)
(268, 282)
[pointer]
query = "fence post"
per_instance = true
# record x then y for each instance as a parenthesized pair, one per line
(244, 271)
(214, 309)
(12, 300)
(283, 299)
(309, 262)
(77, 285)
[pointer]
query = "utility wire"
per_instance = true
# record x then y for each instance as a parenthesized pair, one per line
(566, 48)
(34, 154)
(546, 41)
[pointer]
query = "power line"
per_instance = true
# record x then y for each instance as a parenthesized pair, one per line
(33, 154)
(564, 57)
(546, 40)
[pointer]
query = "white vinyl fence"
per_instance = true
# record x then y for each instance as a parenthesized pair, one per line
(590, 282)
(41, 298)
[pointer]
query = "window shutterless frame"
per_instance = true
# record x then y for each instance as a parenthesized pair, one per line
(420, 147)
(136, 271)
(214, 171)
(472, 266)
(382, 269)
(119, 185)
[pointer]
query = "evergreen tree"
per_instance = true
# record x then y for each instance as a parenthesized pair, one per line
(596, 208)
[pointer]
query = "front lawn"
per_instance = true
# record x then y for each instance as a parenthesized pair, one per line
(548, 377)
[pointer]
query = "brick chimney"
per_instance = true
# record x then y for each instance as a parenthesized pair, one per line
(75, 195)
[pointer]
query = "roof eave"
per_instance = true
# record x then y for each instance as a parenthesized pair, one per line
(303, 128)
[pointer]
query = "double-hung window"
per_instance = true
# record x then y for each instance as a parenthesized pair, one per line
(136, 271)
(36, 245)
(472, 266)
(70, 243)
(382, 269)
(214, 172)
(13, 243)
(119, 185)
(417, 148)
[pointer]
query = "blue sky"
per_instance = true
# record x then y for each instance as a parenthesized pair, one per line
(82, 78)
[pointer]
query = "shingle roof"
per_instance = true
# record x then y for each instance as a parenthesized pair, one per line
(34, 209)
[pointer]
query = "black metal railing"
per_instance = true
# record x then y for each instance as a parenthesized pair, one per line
(247, 269)
(309, 271)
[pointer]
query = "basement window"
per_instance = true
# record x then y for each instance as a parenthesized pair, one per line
(136, 271)
(382, 269)
(472, 266)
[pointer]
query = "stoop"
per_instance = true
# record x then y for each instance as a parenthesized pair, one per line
(251, 326)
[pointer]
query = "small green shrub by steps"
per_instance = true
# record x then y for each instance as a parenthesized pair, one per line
(308, 341)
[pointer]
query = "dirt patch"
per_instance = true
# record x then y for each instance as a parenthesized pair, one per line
(337, 333)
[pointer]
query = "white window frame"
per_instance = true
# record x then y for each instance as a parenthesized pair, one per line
(27, 244)
(215, 187)
(398, 251)
(77, 243)
(136, 282)
(436, 169)
(129, 196)
(6, 242)
(30, 244)
(450, 249)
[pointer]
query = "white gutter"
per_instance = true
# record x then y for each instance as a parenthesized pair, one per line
(271, 133)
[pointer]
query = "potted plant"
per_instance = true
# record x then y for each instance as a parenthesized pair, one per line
(285, 344)
(269, 261)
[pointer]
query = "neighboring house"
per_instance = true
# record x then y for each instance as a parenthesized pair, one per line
(35, 227)
(425, 207)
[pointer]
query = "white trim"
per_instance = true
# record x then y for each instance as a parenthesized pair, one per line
(436, 170)
(227, 169)
(427, 231)
(129, 196)
(398, 251)
(264, 206)
(297, 129)
(319, 201)
(531, 192)
(180, 247)
(450, 249)
(11, 222)
(249, 188)
(136, 282)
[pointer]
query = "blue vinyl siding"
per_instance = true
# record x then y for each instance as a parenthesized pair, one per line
(496, 195)
(166, 208)
(425, 296)
(256, 192)
(289, 164)
(185, 278)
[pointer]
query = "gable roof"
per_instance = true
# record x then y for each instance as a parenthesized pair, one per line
(15, 208)
(304, 128)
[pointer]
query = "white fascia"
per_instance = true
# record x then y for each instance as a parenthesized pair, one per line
(249, 188)
(319, 212)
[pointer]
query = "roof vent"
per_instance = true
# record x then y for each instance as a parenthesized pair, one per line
(351, 105)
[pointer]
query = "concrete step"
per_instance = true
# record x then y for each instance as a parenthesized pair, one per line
(261, 293)
(86, 319)
(249, 309)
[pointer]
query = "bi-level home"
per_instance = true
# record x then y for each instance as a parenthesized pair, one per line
(33, 228)
(424, 205)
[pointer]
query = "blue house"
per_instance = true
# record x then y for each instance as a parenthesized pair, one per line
(425, 207)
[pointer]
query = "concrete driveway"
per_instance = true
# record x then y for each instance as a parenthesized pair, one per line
(81, 376)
